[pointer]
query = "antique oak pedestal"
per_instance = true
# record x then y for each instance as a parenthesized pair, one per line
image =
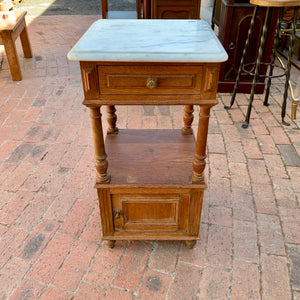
(150, 182)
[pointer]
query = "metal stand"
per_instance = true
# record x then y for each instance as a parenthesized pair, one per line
(272, 64)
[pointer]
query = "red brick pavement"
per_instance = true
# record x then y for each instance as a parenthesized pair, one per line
(50, 245)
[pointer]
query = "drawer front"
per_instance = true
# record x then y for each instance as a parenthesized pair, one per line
(146, 79)
(148, 212)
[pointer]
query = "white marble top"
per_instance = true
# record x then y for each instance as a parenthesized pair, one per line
(149, 41)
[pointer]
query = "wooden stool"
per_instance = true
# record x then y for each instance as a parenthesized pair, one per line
(271, 5)
(9, 31)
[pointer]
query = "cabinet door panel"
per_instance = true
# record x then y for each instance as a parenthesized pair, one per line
(175, 9)
(151, 211)
(179, 13)
(166, 212)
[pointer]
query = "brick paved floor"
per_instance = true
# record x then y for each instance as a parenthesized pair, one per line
(50, 246)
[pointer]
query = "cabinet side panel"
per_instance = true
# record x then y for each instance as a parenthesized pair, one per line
(89, 75)
(105, 207)
(195, 211)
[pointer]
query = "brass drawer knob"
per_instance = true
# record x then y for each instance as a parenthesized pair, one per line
(231, 46)
(151, 83)
(117, 213)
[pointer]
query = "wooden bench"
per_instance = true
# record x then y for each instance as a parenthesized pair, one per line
(10, 29)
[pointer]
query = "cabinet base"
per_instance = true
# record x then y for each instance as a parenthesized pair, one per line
(189, 243)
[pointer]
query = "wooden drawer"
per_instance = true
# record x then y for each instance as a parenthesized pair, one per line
(147, 79)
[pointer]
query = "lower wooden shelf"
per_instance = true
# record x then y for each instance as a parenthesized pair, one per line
(150, 157)
(150, 196)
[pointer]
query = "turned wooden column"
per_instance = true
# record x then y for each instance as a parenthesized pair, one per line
(188, 119)
(101, 163)
(112, 120)
(200, 152)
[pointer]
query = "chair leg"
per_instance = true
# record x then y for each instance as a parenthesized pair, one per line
(243, 58)
(12, 58)
(288, 67)
(25, 43)
(273, 56)
(257, 64)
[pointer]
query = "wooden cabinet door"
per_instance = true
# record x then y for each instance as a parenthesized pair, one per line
(175, 9)
(151, 212)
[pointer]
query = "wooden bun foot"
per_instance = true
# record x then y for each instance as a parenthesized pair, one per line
(110, 243)
(190, 244)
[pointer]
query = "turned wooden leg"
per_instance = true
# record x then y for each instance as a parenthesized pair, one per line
(200, 152)
(112, 119)
(188, 119)
(100, 155)
(104, 8)
(25, 42)
(190, 244)
(12, 57)
(110, 243)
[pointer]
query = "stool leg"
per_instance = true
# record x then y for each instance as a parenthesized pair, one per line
(12, 58)
(258, 61)
(288, 67)
(25, 43)
(273, 56)
(237, 81)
